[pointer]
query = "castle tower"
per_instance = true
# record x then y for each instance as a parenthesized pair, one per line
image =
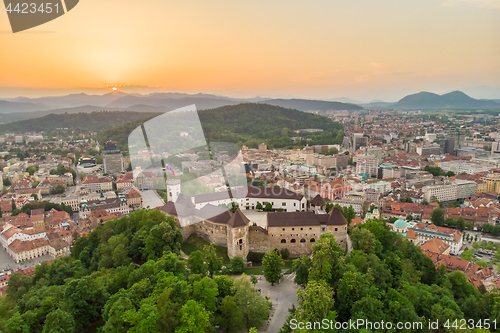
(237, 236)
(173, 189)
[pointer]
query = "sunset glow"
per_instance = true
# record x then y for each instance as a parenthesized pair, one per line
(324, 49)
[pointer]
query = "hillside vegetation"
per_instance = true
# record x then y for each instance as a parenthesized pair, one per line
(95, 121)
(251, 124)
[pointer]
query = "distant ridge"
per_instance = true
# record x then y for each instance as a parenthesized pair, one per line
(311, 105)
(452, 100)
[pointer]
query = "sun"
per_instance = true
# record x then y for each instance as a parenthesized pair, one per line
(114, 88)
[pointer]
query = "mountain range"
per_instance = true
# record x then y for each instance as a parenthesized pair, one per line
(452, 100)
(21, 108)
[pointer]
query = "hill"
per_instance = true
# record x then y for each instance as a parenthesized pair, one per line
(311, 105)
(7, 106)
(452, 100)
(250, 124)
(95, 121)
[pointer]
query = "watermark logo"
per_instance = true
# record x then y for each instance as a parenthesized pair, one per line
(26, 14)
(170, 153)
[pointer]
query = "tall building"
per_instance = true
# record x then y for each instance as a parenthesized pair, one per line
(459, 137)
(112, 158)
(448, 146)
(366, 164)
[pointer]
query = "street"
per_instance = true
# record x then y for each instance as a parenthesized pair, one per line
(151, 198)
(284, 294)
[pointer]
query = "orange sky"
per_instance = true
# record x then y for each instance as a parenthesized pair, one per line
(361, 49)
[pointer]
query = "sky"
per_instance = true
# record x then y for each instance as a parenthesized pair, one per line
(322, 49)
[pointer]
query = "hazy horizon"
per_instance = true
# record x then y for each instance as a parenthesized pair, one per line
(37, 93)
(361, 50)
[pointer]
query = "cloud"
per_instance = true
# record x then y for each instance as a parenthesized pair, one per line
(475, 3)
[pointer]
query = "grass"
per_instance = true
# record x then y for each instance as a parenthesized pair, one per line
(194, 242)
(260, 270)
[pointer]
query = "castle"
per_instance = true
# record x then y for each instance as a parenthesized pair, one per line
(294, 223)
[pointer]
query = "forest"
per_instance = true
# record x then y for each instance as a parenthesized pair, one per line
(251, 124)
(386, 278)
(94, 121)
(127, 276)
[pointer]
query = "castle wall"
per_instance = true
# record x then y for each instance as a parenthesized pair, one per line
(237, 242)
(258, 239)
(209, 231)
(298, 240)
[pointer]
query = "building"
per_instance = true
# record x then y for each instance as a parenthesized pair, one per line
(447, 146)
(94, 183)
(387, 170)
(110, 205)
(458, 138)
(492, 182)
(133, 196)
(280, 199)
(459, 167)
(87, 165)
(27, 250)
(113, 163)
(366, 164)
(296, 231)
(429, 150)
(446, 192)
(465, 188)
(421, 234)
(473, 152)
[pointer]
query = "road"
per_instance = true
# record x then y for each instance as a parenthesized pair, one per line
(151, 198)
(284, 294)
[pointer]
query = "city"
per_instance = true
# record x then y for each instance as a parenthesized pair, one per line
(250, 166)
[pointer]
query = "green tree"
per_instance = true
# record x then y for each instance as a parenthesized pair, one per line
(13, 205)
(31, 170)
(301, 267)
(269, 207)
(213, 262)
(196, 263)
(6, 182)
(253, 306)
(333, 151)
(237, 265)
(327, 259)
(363, 239)
(234, 207)
(205, 292)
(406, 199)
(230, 318)
(59, 321)
(259, 206)
(460, 223)
(15, 324)
(163, 237)
(58, 189)
(253, 280)
(315, 302)
(349, 213)
(273, 264)
(285, 253)
(85, 299)
(437, 217)
(193, 318)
